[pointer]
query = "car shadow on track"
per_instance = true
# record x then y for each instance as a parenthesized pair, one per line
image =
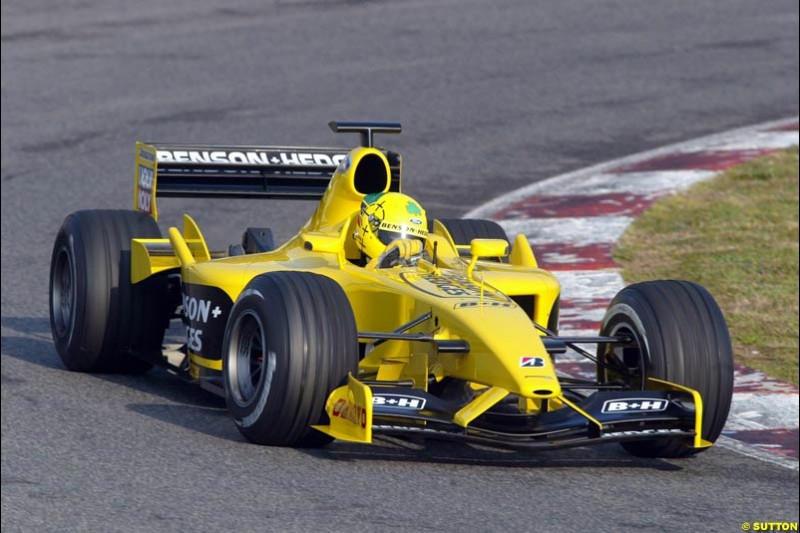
(211, 421)
(34, 345)
(434, 451)
(185, 404)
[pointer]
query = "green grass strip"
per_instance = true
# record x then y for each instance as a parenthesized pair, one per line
(736, 234)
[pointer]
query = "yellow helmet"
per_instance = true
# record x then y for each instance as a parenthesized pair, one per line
(385, 217)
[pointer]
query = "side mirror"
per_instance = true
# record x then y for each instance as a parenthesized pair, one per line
(485, 248)
(488, 248)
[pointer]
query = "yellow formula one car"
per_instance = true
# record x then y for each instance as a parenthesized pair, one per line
(372, 319)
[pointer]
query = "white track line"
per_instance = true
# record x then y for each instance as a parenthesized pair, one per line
(590, 283)
(739, 138)
(579, 231)
(763, 411)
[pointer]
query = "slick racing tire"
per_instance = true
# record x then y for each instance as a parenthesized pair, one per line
(679, 335)
(99, 319)
(290, 340)
(463, 230)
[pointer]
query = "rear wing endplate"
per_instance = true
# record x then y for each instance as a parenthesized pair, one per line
(203, 171)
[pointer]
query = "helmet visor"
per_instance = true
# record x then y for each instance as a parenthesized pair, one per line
(387, 236)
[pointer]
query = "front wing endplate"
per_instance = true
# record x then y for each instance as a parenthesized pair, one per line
(350, 411)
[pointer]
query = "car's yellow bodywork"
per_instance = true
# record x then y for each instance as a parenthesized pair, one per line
(456, 293)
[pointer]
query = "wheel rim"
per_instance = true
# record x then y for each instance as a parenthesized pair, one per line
(625, 363)
(63, 295)
(249, 363)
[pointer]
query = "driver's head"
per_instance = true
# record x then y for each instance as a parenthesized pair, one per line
(385, 217)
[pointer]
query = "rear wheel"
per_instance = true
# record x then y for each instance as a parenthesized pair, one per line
(290, 340)
(678, 334)
(99, 319)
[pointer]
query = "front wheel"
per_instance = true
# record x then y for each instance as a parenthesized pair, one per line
(290, 340)
(678, 334)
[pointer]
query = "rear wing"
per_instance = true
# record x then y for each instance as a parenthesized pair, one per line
(202, 171)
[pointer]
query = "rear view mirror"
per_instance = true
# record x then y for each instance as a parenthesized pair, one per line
(485, 248)
(488, 248)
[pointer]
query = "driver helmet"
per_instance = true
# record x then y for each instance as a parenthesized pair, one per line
(386, 217)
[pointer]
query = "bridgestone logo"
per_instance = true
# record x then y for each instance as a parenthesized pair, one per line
(250, 157)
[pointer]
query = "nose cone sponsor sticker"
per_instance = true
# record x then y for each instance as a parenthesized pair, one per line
(527, 361)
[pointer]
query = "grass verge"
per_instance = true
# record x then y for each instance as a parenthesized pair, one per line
(736, 234)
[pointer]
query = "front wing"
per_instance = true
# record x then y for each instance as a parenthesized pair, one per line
(358, 411)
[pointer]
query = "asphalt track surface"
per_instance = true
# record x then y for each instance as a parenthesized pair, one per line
(492, 96)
